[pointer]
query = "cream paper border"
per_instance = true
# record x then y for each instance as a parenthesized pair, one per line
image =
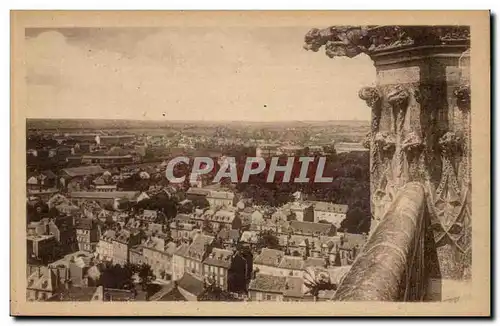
(476, 304)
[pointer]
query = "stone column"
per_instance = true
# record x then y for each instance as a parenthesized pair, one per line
(420, 129)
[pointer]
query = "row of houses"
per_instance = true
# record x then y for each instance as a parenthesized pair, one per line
(268, 287)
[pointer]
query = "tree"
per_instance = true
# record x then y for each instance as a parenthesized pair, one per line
(357, 221)
(267, 239)
(317, 279)
(207, 227)
(117, 277)
(146, 275)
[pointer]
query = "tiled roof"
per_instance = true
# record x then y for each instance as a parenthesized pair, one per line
(269, 257)
(222, 216)
(330, 207)
(159, 244)
(219, 257)
(227, 235)
(292, 262)
(49, 174)
(299, 205)
(249, 237)
(118, 295)
(197, 248)
(221, 194)
(268, 283)
(168, 292)
(182, 250)
(311, 227)
(109, 235)
(298, 241)
(314, 262)
(293, 287)
(99, 181)
(130, 195)
(197, 191)
(84, 223)
(76, 294)
(83, 170)
(191, 284)
(183, 217)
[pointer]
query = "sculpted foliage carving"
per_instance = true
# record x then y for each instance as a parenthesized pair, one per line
(398, 98)
(349, 41)
(450, 203)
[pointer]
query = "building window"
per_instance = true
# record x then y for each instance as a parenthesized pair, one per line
(269, 297)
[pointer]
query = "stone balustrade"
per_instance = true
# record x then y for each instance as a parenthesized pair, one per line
(390, 266)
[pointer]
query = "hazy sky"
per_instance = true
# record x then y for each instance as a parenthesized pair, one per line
(191, 73)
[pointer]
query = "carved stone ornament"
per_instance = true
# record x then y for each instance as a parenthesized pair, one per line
(349, 41)
(385, 143)
(384, 191)
(373, 99)
(450, 206)
(383, 195)
(462, 94)
(398, 98)
(412, 144)
(450, 144)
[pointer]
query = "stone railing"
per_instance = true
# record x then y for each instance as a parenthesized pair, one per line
(391, 264)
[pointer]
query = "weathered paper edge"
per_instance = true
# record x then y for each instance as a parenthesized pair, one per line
(477, 304)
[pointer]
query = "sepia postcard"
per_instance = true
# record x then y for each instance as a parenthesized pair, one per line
(250, 163)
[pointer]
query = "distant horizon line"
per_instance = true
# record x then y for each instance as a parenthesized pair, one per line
(178, 120)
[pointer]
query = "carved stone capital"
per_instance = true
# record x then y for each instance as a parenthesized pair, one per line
(349, 41)
(462, 94)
